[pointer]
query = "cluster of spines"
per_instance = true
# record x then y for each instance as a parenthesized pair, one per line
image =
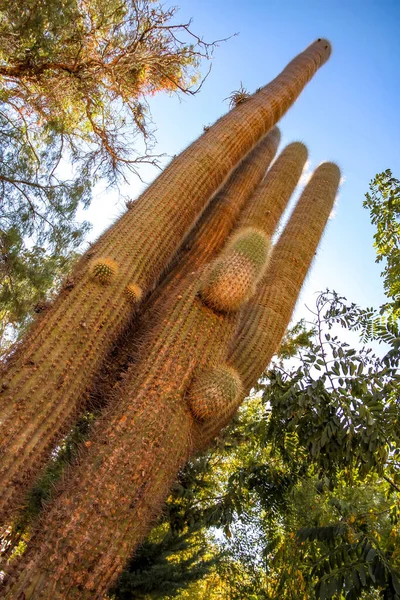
(214, 392)
(104, 270)
(231, 280)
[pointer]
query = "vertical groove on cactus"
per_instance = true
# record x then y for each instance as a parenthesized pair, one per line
(265, 319)
(48, 377)
(220, 217)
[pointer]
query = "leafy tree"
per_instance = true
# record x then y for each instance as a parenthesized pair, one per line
(383, 202)
(74, 78)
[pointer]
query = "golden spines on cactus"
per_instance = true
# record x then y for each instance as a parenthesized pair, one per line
(232, 278)
(214, 391)
(211, 232)
(134, 292)
(104, 270)
(115, 494)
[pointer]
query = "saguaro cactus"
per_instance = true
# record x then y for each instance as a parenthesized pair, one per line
(45, 383)
(195, 247)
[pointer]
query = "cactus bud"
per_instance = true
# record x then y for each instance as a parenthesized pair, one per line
(134, 292)
(214, 392)
(232, 278)
(104, 270)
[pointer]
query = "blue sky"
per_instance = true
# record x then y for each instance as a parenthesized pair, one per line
(349, 113)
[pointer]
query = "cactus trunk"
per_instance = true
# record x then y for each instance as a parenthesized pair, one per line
(133, 458)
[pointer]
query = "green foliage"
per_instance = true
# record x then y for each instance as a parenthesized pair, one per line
(27, 275)
(342, 403)
(383, 202)
(82, 71)
(165, 564)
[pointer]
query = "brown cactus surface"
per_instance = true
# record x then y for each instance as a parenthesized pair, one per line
(46, 381)
(112, 498)
(202, 244)
(264, 320)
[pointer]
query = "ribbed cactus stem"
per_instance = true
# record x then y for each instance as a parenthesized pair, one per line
(113, 496)
(202, 245)
(264, 320)
(272, 195)
(45, 383)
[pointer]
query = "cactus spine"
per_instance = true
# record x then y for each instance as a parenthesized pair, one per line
(48, 378)
(208, 329)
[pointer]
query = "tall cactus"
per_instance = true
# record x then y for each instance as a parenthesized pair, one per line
(264, 320)
(214, 311)
(135, 454)
(45, 383)
(182, 388)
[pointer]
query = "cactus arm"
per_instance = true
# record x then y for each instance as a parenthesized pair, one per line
(264, 320)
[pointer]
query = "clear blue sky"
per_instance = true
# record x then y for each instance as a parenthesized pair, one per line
(349, 113)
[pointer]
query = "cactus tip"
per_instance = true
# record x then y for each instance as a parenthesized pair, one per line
(325, 48)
